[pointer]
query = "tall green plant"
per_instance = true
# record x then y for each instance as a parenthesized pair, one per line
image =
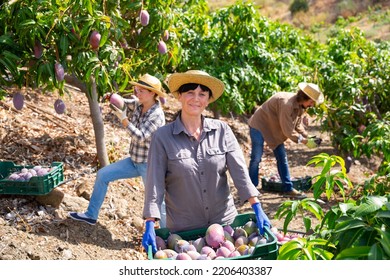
(330, 177)
(353, 229)
(354, 73)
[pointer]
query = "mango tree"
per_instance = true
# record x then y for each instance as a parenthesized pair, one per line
(95, 46)
(355, 77)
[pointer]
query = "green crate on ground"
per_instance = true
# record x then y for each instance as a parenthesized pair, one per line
(37, 185)
(268, 251)
(301, 184)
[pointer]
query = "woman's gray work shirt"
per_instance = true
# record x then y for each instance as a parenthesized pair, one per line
(193, 175)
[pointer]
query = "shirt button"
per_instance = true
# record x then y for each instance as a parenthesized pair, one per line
(201, 173)
(204, 191)
(207, 208)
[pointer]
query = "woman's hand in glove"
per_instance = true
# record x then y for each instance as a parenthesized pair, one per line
(261, 218)
(149, 237)
(311, 143)
(121, 114)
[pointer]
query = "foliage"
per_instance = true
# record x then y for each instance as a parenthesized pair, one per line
(329, 177)
(377, 141)
(252, 55)
(352, 229)
(256, 57)
(306, 249)
(378, 184)
(363, 229)
(37, 35)
(299, 6)
(290, 209)
(63, 29)
(355, 79)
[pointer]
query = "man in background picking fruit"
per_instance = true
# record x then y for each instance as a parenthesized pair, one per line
(147, 116)
(276, 120)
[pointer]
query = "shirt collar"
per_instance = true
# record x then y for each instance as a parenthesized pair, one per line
(208, 125)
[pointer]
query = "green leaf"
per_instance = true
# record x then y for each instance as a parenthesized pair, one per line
(289, 255)
(124, 83)
(317, 187)
(354, 253)
(8, 64)
(287, 221)
(314, 208)
(383, 214)
(307, 223)
(294, 206)
(327, 165)
(344, 207)
(376, 253)
(320, 242)
(308, 253)
(323, 254)
(27, 23)
(372, 204)
(89, 6)
(64, 44)
(5, 39)
(348, 224)
(291, 250)
(293, 245)
(385, 242)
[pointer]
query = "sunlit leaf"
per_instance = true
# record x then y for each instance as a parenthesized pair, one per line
(354, 253)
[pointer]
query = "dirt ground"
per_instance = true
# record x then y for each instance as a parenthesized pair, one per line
(36, 135)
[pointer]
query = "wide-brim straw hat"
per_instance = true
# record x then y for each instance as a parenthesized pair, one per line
(176, 80)
(313, 91)
(151, 83)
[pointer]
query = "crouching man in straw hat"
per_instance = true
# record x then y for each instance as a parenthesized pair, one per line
(189, 161)
(277, 119)
(145, 118)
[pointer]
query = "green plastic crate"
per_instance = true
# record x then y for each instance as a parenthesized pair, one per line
(302, 184)
(268, 251)
(37, 185)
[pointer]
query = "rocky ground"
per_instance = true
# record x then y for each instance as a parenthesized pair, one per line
(36, 135)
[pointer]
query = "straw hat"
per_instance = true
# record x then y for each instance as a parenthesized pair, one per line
(313, 91)
(151, 83)
(176, 80)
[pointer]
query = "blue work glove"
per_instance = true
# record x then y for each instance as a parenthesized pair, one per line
(261, 217)
(149, 237)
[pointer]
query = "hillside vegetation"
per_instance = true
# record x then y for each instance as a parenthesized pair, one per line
(371, 16)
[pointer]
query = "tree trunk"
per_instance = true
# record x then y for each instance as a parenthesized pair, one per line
(98, 126)
(97, 120)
